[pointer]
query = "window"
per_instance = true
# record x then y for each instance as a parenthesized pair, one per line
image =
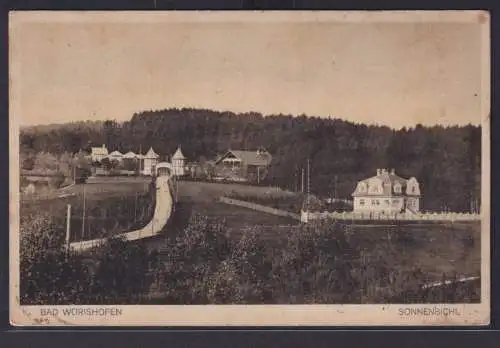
(397, 188)
(373, 202)
(361, 202)
(387, 202)
(362, 187)
(373, 188)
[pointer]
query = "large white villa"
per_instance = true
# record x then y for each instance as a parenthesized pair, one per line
(387, 192)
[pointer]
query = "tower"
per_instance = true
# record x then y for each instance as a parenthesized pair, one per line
(178, 163)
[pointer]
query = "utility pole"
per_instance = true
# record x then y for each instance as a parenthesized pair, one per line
(176, 188)
(83, 213)
(68, 226)
(295, 181)
(302, 182)
(135, 207)
(258, 175)
(335, 188)
(308, 182)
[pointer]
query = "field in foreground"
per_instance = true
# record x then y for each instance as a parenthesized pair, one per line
(217, 253)
(110, 206)
(435, 247)
(426, 252)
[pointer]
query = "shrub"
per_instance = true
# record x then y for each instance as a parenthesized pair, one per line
(28, 164)
(191, 257)
(244, 276)
(115, 273)
(57, 180)
(121, 275)
(48, 275)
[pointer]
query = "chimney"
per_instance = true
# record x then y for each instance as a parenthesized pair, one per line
(378, 171)
(103, 146)
(393, 172)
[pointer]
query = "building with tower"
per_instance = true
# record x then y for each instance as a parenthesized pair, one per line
(149, 162)
(179, 163)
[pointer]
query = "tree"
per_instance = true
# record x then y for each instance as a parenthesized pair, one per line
(106, 163)
(446, 160)
(57, 180)
(130, 164)
(28, 163)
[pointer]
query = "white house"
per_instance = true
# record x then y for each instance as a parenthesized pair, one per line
(179, 163)
(150, 160)
(387, 192)
(115, 156)
(98, 153)
(130, 155)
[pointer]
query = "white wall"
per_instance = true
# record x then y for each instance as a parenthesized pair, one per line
(378, 204)
(149, 163)
(178, 167)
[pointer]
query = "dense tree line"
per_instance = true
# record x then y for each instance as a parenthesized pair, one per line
(446, 160)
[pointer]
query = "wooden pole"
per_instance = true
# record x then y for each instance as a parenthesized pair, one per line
(68, 224)
(308, 182)
(83, 213)
(335, 188)
(135, 208)
(302, 181)
(176, 189)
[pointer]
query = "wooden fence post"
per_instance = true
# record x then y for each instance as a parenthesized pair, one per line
(68, 225)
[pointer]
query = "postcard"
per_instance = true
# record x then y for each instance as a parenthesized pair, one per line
(249, 168)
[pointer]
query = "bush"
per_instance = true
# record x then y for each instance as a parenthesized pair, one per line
(116, 273)
(28, 164)
(57, 180)
(48, 274)
(243, 277)
(319, 263)
(191, 257)
(123, 272)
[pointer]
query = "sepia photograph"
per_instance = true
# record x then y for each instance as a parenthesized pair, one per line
(249, 168)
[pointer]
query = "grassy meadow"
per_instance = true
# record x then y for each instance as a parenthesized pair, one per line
(111, 207)
(218, 253)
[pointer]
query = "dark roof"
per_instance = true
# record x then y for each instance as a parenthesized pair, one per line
(250, 157)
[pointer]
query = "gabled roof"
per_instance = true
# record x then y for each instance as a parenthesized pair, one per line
(116, 154)
(178, 154)
(151, 154)
(250, 157)
(130, 154)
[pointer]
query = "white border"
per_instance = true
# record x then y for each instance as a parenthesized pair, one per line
(254, 315)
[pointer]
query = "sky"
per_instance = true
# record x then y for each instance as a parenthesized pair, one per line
(397, 73)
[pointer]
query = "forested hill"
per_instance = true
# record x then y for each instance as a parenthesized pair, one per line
(445, 160)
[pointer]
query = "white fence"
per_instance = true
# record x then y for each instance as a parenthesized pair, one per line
(310, 216)
(259, 207)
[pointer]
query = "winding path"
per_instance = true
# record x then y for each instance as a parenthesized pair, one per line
(163, 211)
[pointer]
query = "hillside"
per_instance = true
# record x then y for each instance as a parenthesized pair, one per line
(445, 160)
